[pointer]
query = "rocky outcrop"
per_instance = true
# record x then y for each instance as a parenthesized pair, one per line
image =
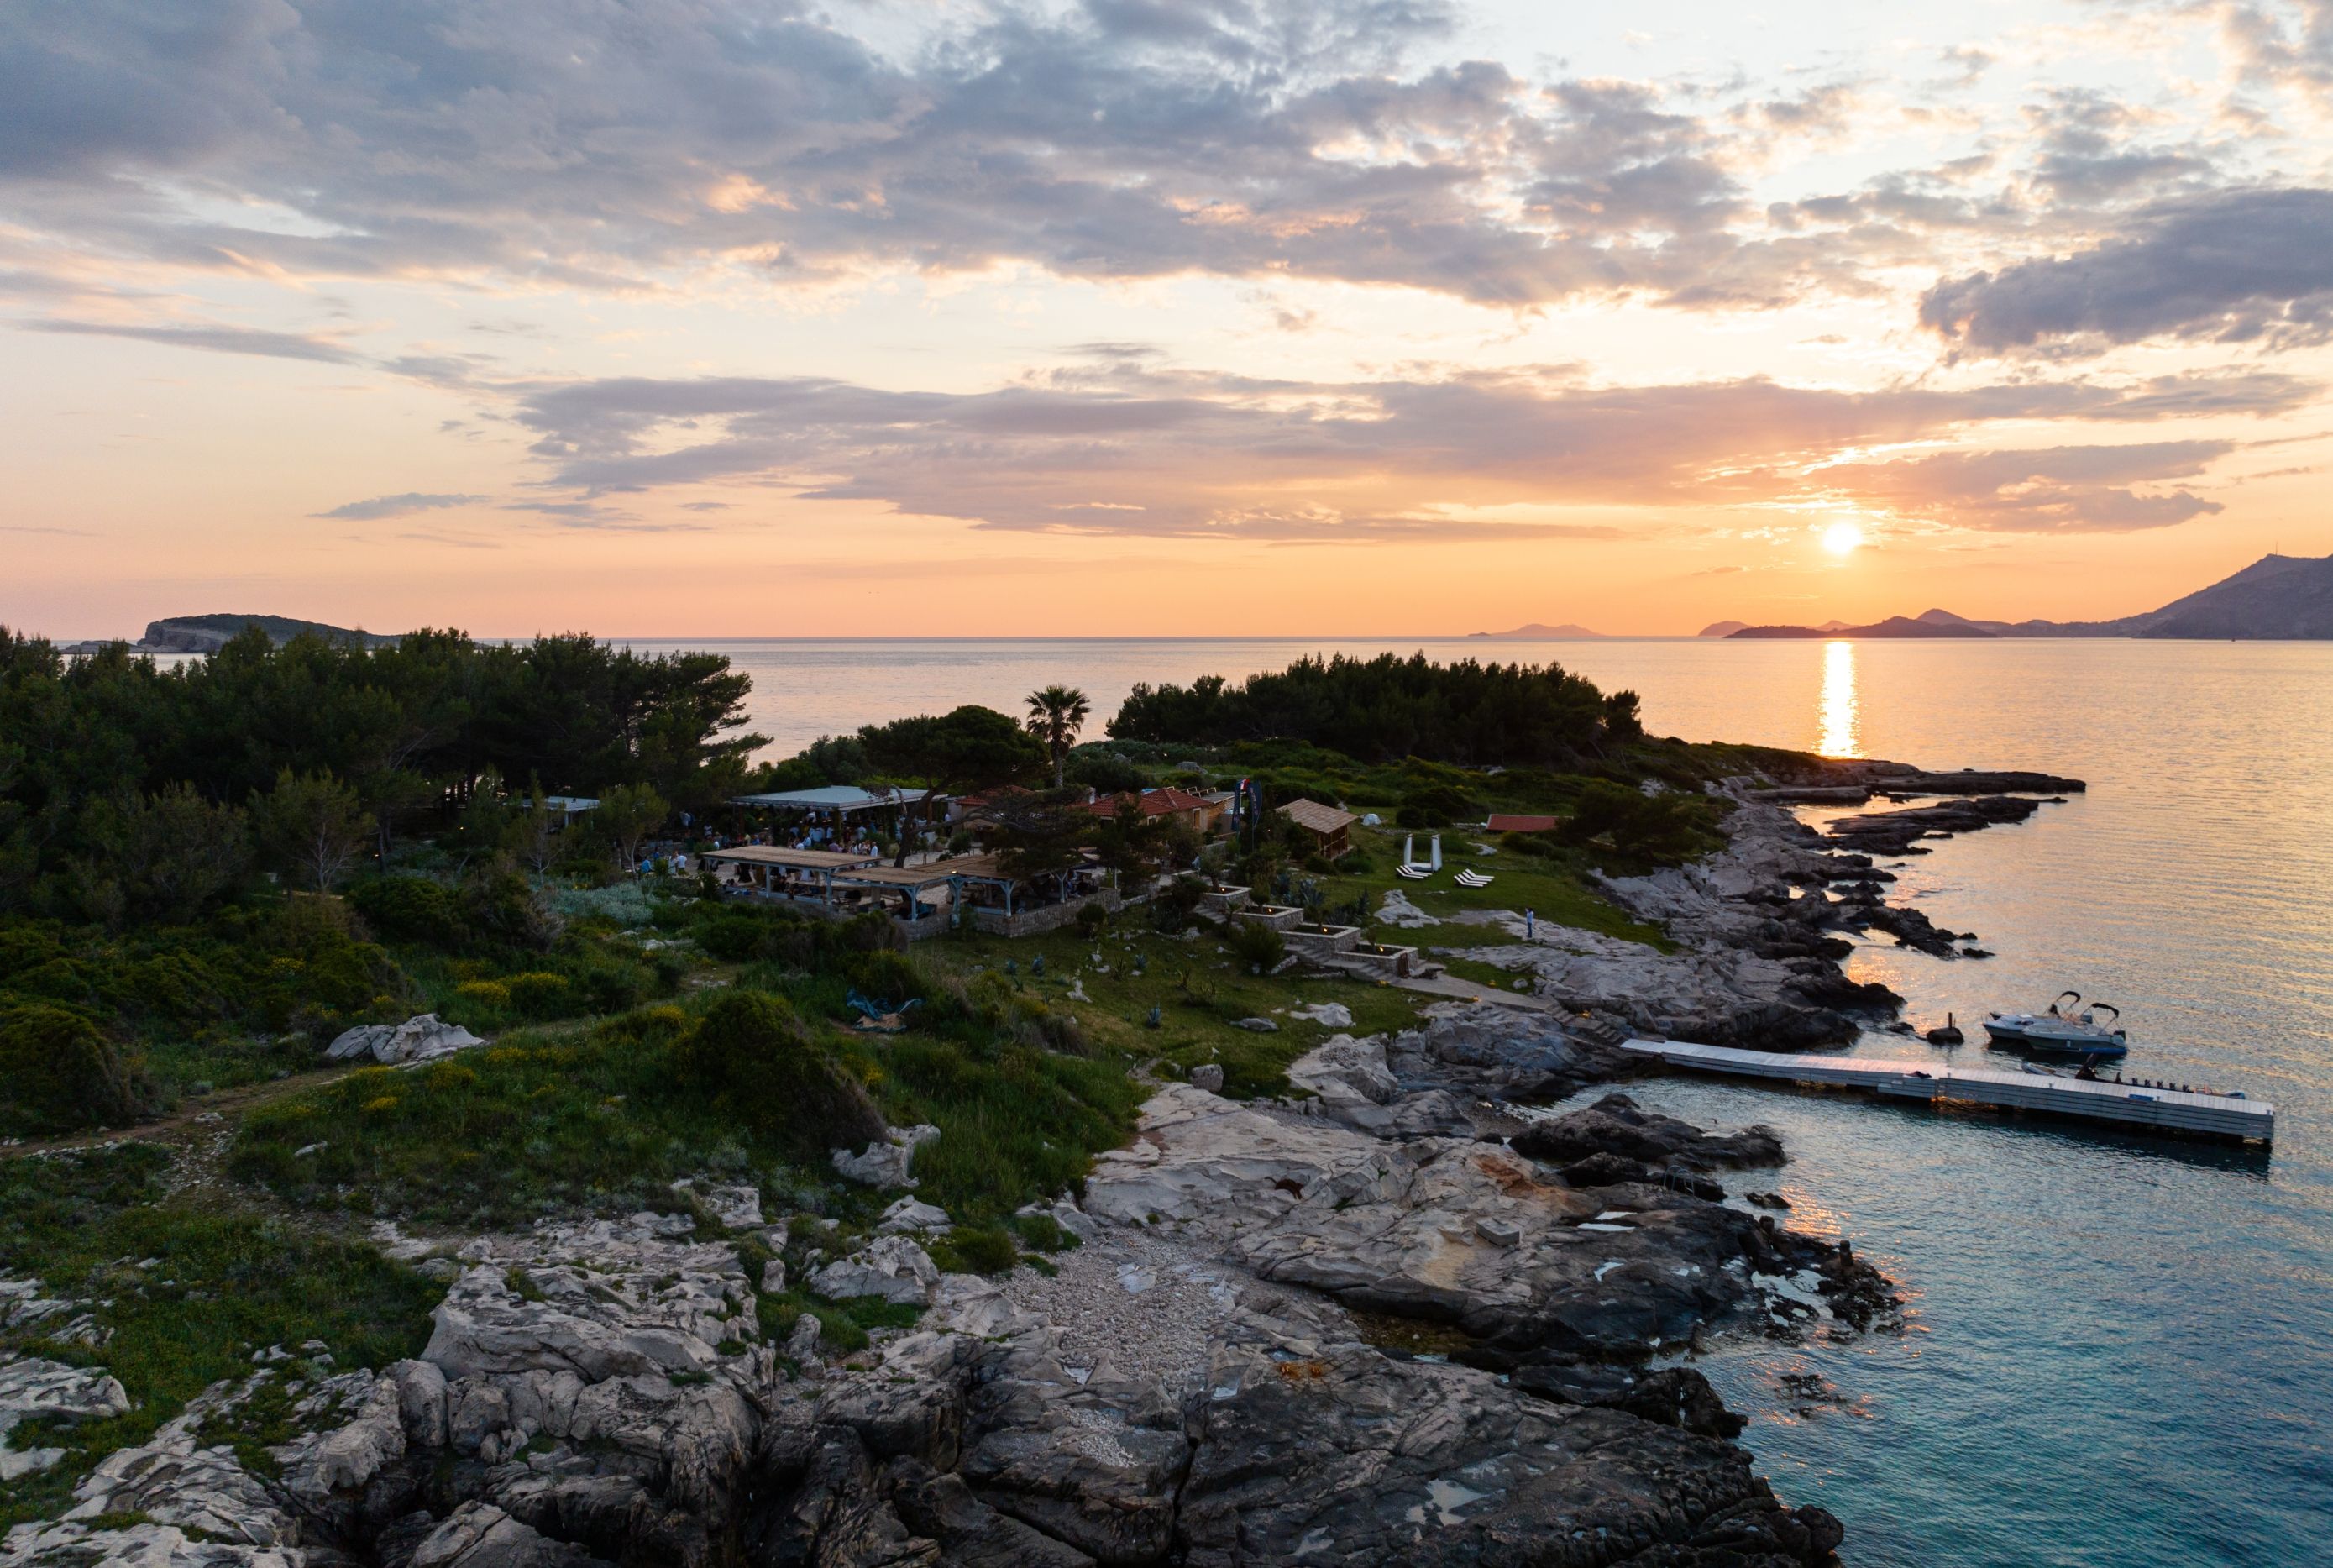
(885, 1164)
(1614, 1126)
(32, 1389)
(1458, 1231)
(1899, 832)
(1759, 929)
(418, 1039)
(1206, 1380)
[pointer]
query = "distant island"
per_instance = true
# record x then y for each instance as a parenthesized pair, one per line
(1535, 632)
(1893, 626)
(208, 633)
(1723, 627)
(2276, 598)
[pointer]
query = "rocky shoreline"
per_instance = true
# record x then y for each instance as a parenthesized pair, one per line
(1357, 1325)
(1760, 928)
(1400, 1315)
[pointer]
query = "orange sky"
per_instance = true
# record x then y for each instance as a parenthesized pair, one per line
(1049, 321)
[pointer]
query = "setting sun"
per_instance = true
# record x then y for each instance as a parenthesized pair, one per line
(1841, 538)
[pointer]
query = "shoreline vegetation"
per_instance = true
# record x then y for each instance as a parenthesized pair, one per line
(742, 1233)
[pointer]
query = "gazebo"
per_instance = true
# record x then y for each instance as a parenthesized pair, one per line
(1329, 829)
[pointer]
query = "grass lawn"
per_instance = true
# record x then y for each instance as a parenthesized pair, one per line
(1557, 887)
(1199, 990)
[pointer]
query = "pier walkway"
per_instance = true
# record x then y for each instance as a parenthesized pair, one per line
(2162, 1110)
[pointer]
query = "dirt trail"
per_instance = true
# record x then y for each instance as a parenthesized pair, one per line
(190, 1126)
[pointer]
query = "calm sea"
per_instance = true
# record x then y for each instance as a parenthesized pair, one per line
(2121, 1349)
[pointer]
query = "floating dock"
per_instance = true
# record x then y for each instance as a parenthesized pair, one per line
(2126, 1104)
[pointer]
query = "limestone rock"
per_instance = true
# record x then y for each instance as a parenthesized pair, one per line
(1209, 1076)
(735, 1205)
(616, 1298)
(1348, 1456)
(910, 1215)
(32, 1389)
(481, 1535)
(422, 1038)
(890, 1266)
(1328, 1014)
(885, 1165)
(1614, 1125)
(175, 1481)
(315, 1467)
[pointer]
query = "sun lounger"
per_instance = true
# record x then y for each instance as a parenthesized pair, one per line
(1415, 873)
(1473, 879)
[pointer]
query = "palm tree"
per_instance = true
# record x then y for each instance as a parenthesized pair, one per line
(1055, 715)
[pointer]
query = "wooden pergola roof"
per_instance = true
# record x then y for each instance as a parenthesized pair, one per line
(1318, 818)
(923, 875)
(795, 860)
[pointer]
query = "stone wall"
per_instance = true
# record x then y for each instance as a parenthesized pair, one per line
(1046, 917)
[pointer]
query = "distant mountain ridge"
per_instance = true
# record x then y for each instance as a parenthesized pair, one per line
(2276, 598)
(1893, 626)
(1535, 632)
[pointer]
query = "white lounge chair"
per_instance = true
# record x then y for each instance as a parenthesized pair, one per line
(1415, 873)
(1473, 879)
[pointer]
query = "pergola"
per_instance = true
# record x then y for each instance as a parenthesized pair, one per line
(834, 805)
(835, 883)
(800, 875)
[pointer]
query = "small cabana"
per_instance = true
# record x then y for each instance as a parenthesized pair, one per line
(1329, 829)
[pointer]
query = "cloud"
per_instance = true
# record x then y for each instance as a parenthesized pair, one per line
(570, 142)
(2252, 265)
(381, 506)
(216, 339)
(2287, 44)
(2056, 489)
(1118, 448)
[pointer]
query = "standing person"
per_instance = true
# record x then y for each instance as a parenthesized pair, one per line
(1530, 925)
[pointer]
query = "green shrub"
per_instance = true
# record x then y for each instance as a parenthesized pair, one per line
(58, 1073)
(1255, 944)
(1668, 826)
(750, 1050)
(408, 908)
(976, 1250)
(1097, 768)
(540, 994)
(884, 977)
(1540, 845)
(489, 993)
(1044, 1233)
(1434, 806)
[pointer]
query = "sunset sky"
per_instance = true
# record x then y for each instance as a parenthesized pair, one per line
(747, 318)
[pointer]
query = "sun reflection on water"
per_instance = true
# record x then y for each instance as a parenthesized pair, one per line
(1841, 720)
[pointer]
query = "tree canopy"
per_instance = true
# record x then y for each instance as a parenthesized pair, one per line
(105, 757)
(1387, 707)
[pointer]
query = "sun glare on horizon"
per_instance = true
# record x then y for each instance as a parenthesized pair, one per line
(1842, 538)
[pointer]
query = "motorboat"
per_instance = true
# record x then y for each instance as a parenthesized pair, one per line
(2072, 1027)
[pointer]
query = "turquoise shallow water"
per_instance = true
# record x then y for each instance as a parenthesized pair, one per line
(2120, 1350)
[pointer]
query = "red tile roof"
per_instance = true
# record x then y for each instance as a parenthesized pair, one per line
(1156, 803)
